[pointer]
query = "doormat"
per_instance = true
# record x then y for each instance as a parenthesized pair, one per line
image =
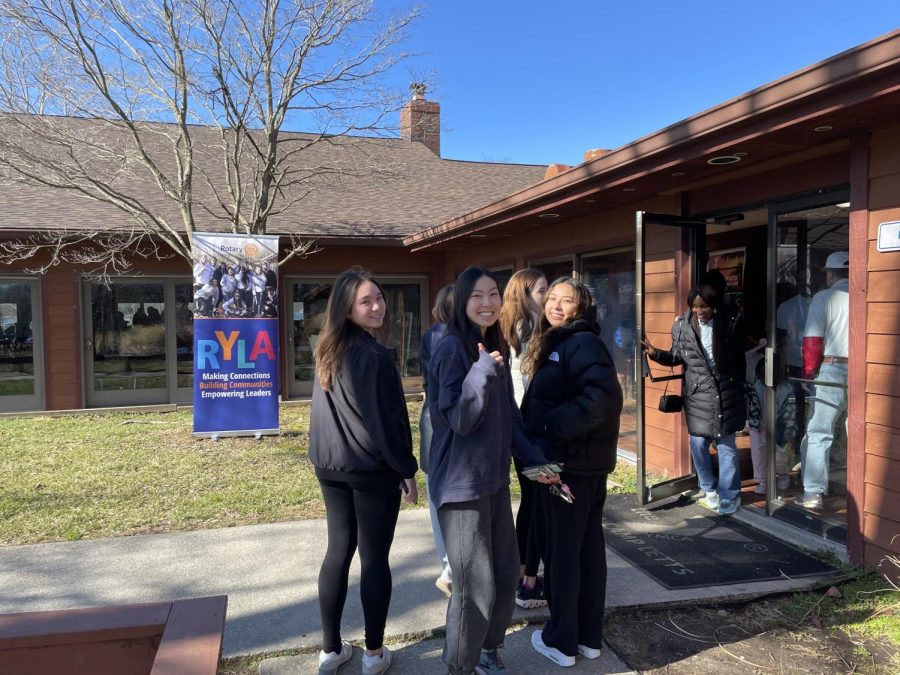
(680, 546)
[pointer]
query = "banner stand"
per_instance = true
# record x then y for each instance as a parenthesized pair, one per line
(235, 336)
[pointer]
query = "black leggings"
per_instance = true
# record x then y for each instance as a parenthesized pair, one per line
(363, 515)
(525, 524)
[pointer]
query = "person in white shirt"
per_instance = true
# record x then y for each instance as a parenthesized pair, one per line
(825, 349)
(207, 298)
(790, 322)
(258, 284)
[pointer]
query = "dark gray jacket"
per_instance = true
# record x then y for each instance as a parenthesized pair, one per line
(475, 422)
(714, 403)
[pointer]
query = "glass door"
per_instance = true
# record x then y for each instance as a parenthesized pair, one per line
(806, 368)
(610, 276)
(139, 342)
(670, 251)
(21, 366)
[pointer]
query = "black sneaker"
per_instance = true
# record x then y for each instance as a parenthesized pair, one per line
(490, 662)
(531, 599)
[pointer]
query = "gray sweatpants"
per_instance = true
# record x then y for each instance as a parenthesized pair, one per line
(480, 537)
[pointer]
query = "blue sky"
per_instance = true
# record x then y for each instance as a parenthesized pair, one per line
(540, 81)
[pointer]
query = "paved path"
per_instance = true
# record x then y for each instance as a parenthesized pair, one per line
(269, 573)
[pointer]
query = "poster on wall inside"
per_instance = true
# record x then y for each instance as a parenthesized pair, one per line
(235, 335)
(730, 263)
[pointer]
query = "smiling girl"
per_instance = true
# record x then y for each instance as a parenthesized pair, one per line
(476, 426)
(572, 410)
(361, 447)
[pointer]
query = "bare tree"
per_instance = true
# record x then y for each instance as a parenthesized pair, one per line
(100, 97)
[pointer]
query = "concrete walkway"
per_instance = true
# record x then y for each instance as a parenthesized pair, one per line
(269, 573)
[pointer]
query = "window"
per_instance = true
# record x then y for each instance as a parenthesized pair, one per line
(309, 298)
(21, 380)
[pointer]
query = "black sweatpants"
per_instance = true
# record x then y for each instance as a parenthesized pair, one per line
(363, 515)
(526, 537)
(571, 540)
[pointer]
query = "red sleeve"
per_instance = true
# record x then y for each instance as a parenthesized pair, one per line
(813, 352)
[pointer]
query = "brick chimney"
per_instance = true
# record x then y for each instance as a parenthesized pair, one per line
(420, 120)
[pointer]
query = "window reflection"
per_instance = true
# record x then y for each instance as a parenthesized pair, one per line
(128, 336)
(611, 278)
(811, 388)
(16, 340)
(309, 300)
(184, 334)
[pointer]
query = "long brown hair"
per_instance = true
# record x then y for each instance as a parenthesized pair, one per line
(543, 332)
(334, 338)
(516, 315)
(443, 305)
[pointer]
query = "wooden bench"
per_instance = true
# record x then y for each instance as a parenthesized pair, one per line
(164, 638)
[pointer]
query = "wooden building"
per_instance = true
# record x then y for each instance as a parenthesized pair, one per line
(764, 187)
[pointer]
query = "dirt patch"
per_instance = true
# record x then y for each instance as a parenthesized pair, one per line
(768, 636)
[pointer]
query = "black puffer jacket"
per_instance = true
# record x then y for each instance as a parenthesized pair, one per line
(714, 403)
(574, 401)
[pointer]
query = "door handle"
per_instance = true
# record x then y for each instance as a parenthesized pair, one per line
(769, 378)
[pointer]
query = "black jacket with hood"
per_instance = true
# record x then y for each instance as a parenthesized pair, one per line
(359, 429)
(714, 404)
(574, 401)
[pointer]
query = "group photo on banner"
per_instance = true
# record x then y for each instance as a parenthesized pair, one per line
(235, 334)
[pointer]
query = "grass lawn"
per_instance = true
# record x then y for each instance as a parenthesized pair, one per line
(90, 476)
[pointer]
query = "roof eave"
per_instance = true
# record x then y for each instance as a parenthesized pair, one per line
(826, 78)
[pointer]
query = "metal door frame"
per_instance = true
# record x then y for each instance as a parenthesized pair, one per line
(697, 248)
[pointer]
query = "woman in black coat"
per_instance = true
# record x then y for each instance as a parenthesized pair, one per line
(361, 447)
(708, 340)
(571, 410)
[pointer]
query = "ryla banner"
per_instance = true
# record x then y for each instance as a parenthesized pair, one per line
(235, 335)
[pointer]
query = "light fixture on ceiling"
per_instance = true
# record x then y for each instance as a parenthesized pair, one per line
(722, 160)
(677, 173)
(590, 201)
(727, 218)
(739, 154)
(478, 236)
(629, 189)
(843, 205)
(548, 216)
(823, 128)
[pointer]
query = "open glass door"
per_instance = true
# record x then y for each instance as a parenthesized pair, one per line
(669, 255)
(807, 393)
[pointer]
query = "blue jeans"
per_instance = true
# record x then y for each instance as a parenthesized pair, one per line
(729, 483)
(829, 403)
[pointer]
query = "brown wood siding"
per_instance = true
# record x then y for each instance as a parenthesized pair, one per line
(62, 339)
(860, 154)
(881, 502)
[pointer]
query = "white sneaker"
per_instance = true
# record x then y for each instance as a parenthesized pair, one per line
(589, 652)
(330, 662)
(710, 501)
(372, 665)
(551, 653)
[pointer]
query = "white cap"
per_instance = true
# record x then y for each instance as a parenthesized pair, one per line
(839, 260)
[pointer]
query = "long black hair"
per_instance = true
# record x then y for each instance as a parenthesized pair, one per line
(460, 324)
(544, 333)
(708, 293)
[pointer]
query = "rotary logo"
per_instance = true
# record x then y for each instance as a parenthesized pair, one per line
(251, 250)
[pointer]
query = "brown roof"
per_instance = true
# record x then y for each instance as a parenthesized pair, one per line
(378, 188)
